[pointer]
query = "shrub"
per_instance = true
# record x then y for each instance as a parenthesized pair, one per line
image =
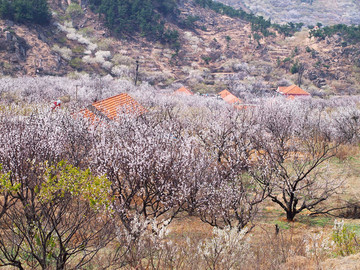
(206, 59)
(190, 20)
(74, 10)
(65, 52)
(120, 59)
(227, 249)
(287, 59)
(121, 71)
(78, 50)
(107, 65)
(104, 44)
(102, 55)
(295, 68)
(76, 63)
(87, 31)
(344, 239)
(89, 59)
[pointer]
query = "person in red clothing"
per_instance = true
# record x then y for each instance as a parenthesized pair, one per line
(56, 104)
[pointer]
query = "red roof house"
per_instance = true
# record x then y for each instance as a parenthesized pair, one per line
(184, 91)
(224, 93)
(111, 108)
(293, 91)
(229, 98)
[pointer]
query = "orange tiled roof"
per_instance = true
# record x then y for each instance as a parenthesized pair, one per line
(184, 91)
(122, 103)
(86, 113)
(293, 90)
(111, 107)
(281, 89)
(224, 93)
(291, 97)
(231, 99)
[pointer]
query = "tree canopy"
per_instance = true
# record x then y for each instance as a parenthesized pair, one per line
(25, 11)
(350, 33)
(132, 16)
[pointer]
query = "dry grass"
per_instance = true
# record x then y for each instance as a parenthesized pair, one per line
(189, 226)
(346, 263)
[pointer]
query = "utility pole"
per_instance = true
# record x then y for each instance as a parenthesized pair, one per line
(136, 72)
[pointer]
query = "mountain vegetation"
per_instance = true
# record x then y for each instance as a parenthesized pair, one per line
(258, 23)
(350, 33)
(126, 17)
(25, 11)
(309, 12)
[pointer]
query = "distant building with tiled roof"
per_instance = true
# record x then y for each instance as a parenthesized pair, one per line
(229, 98)
(292, 90)
(111, 108)
(224, 93)
(184, 91)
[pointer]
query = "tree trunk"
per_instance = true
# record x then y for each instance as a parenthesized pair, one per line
(18, 265)
(61, 260)
(290, 215)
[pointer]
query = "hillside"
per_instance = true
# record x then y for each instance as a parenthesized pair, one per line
(215, 52)
(309, 12)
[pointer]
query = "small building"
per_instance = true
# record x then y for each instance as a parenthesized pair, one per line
(229, 98)
(111, 108)
(292, 92)
(224, 93)
(184, 91)
(233, 100)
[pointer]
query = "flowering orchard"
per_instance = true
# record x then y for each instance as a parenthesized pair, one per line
(72, 188)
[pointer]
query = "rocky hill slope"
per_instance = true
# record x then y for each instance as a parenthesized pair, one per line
(309, 12)
(216, 52)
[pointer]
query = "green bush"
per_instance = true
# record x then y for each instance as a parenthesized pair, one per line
(294, 68)
(190, 20)
(206, 59)
(74, 10)
(76, 63)
(287, 59)
(78, 50)
(344, 239)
